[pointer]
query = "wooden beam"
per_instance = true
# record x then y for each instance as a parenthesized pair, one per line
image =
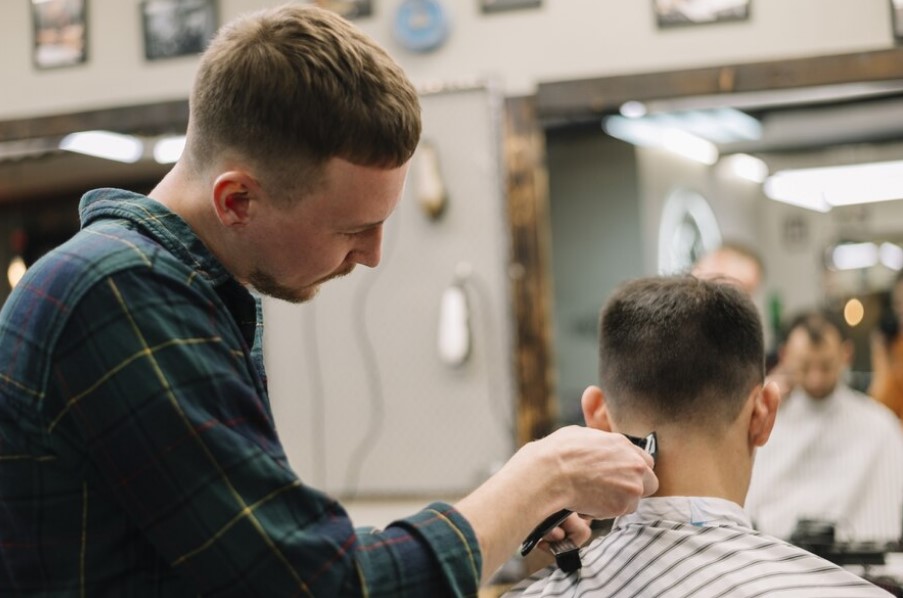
(584, 98)
(528, 200)
(152, 119)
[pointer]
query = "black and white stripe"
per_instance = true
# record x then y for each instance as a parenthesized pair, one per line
(647, 555)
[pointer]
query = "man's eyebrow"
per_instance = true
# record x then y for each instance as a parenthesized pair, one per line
(365, 226)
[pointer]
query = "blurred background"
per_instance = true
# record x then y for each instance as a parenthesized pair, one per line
(567, 146)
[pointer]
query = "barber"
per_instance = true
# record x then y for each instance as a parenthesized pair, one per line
(138, 452)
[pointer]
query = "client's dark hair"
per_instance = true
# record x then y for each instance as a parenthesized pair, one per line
(817, 325)
(680, 349)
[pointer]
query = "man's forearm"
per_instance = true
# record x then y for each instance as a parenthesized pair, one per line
(506, 507)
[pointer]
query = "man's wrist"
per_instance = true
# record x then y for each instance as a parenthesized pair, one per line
(542, 476)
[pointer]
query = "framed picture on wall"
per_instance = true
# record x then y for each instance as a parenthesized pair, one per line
(60, 32)
(502, 5)
(350, 9)
(175, 28)
(671, 13)
(896, 14)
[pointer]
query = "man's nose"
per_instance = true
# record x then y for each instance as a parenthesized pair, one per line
(369, 252)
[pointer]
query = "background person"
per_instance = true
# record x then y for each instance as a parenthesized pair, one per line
(733, 261)
(685, 358)
(887, 354)
(835, 454)
(138, 453)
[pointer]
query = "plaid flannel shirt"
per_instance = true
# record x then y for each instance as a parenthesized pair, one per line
(138, 453)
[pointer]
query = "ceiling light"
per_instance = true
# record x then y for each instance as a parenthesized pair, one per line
(863, 183)
(689, 146)
(720, 125)
(747, 167)
(167, 150)
(633, 109)
(891, 255)
(104, 144)
(821, 188)
(854, 256)
(649, 133)
(790, 190)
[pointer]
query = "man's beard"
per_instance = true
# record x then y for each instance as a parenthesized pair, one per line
(265, 284)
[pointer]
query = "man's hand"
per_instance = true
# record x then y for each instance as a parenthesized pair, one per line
(575, 527)
(605, 474)
(599, 474)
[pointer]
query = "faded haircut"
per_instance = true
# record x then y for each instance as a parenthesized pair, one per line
(290, 87)
(678, 349)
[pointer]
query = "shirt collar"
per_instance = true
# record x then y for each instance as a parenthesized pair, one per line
(159, 222)
(702, 511)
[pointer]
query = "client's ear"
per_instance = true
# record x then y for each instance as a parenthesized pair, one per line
(595, 411)
(766, 401)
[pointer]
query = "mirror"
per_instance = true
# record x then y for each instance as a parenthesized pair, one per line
(657, 171)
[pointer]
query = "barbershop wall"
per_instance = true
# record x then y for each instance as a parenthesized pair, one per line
(560, 40)
(365, 404)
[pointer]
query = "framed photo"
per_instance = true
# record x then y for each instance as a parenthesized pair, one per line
(672, 13)
(175, 28)
(60, 32)
(896, 19)
(487, 6)
(350, 9)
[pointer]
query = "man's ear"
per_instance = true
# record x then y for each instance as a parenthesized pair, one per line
(766, 401)
(233, 195)
(595, 410)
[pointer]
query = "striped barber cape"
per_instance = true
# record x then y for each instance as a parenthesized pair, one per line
(691, 547)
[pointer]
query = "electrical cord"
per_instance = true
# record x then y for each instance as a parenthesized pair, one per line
(503, 416)
(372, 372)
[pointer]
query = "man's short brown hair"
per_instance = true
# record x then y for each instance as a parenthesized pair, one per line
(288, 88)
(677, 349)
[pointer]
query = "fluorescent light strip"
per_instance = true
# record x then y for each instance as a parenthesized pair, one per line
(747, 167)
(104, 144)
(167, 150)
(854, 256)
(891, 255)
(790, 190)
(822, 188)
(689, 146)
(650, 134)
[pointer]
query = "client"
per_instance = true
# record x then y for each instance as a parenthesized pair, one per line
(685, 358)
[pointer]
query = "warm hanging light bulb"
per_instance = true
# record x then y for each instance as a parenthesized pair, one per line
(15, 271)
(18, 240)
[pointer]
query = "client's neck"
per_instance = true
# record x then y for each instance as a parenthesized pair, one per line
(697, 465)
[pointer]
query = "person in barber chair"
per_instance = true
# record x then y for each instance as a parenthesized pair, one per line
(835, 455)
(684, 358)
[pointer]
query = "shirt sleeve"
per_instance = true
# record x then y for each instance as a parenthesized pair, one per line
(157, 386)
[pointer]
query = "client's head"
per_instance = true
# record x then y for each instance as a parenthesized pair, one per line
(683, 357)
